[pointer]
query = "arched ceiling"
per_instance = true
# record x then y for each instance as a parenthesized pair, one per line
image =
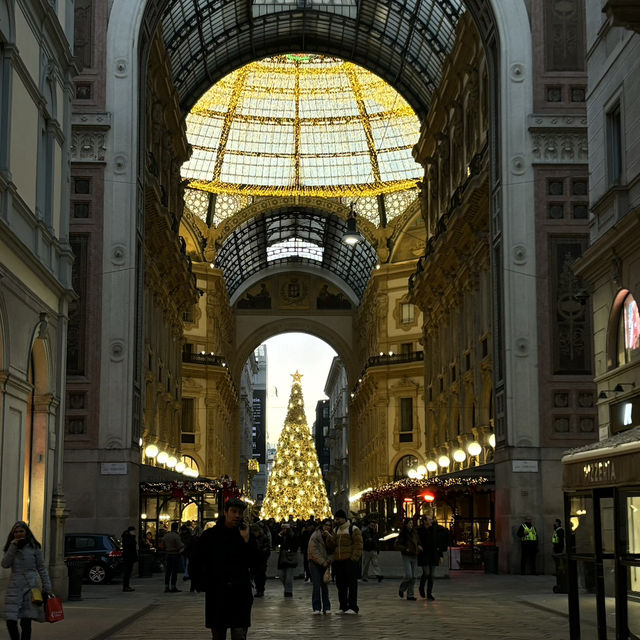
(294, 237)
(403, 41)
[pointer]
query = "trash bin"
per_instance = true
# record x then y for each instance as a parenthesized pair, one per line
(76, 568)
(562, 573)
(490, 559)
(145, 564)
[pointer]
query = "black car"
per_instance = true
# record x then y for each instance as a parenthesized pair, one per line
(101, 552)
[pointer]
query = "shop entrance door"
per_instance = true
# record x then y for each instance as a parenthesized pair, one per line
(628, 575)
(591, 557)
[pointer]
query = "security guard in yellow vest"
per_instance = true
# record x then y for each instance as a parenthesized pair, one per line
(557, 538)
(528, 546)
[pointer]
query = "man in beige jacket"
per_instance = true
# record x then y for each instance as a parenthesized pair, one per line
(346, 563)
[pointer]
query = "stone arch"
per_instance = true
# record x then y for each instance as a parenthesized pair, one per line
(41, 412)
(506, 35)
(298, 325)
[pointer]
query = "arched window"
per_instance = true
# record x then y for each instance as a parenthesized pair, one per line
(404, 464)
(190, 463)
(628, 347)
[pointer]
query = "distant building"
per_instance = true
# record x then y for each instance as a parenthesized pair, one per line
(320, 436)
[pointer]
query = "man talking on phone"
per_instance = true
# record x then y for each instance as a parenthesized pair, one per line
(221, 566)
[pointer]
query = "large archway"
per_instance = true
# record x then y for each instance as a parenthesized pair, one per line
(506, 35)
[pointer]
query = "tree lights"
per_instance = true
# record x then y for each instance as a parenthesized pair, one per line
(296, 487)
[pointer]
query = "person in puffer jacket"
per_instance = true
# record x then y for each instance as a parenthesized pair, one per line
(23, 555)
(408, 543)
(346, 562)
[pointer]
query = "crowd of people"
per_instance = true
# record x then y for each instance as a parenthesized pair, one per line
(228, 562)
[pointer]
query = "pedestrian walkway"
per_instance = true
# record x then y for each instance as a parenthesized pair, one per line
(468, 606)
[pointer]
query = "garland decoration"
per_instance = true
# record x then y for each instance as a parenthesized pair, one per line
(406, 487)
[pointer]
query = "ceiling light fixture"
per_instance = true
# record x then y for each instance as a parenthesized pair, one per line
(351, 236)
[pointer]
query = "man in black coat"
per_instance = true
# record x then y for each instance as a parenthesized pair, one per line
(129, 557)
(429, 557)
(221, 565)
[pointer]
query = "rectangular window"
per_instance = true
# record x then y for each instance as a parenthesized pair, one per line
(408, 313)
(188, 315)
(406, 348)
(188, 420)
(614, 145)
(406, 419)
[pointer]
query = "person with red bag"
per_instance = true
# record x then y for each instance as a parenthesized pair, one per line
(28, 579)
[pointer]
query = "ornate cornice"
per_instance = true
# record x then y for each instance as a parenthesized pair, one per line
(559, 139)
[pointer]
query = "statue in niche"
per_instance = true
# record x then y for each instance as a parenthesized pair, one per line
(258, 297)
(331, 298)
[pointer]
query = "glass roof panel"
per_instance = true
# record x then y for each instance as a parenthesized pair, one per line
(301, 124)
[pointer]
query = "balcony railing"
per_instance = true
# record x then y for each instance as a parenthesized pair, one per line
(396, 358)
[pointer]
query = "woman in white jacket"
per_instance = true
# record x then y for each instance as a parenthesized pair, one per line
(23, 555)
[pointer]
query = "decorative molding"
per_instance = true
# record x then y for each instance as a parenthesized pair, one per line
(88, 145)
(559, 139)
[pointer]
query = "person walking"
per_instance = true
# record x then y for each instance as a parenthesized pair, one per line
(528, 546)
(346, 562)
(222, 560)
(173, 547)
(409, 546)
(429, 556)
(187, 538)
(23, 555)
(288, 557)
(129, 557)
(370, 551)
(262, 534)
(318, 552)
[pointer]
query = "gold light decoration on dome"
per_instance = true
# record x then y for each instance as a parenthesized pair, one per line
(305, 495)
(298, 125)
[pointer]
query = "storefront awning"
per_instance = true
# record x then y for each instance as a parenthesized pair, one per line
(609, 463)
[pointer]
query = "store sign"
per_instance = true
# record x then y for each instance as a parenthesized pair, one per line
(611, 471)
(599, 471)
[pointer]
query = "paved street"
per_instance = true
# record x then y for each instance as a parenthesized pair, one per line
(468, 606)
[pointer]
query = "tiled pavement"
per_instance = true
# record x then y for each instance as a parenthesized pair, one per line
(468, 606)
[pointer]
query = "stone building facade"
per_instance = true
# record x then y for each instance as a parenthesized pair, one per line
(36, 288)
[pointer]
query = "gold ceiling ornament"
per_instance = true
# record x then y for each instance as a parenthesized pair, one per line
(302, 124)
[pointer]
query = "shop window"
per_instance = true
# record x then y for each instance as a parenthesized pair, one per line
(406, 419)
(628, 331)
(188, 421)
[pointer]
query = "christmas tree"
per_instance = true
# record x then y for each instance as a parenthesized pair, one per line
(296, 487)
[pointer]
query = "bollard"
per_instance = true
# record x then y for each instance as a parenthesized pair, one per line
(490, 559)
(76, 568)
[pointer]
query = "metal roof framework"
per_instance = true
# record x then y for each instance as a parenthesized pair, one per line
(249, 249)
(403, 41)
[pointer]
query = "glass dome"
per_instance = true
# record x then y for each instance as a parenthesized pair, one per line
(302, 124)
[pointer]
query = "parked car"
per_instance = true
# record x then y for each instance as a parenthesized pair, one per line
(101, 552)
